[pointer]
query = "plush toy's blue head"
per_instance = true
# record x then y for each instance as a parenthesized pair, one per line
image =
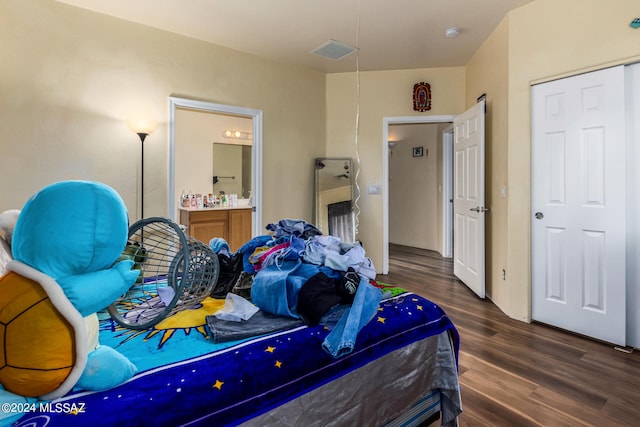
(70, 228)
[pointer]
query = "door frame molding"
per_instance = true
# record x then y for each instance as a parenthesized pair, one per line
(447, 192)
(386, 121)
(256, 156)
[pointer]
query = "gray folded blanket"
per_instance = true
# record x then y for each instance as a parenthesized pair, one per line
(259, 324)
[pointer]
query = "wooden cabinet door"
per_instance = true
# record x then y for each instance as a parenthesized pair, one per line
(205, 231)
(239, 228)
(205, 225)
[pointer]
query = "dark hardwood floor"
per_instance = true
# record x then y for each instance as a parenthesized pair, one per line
(518, 374)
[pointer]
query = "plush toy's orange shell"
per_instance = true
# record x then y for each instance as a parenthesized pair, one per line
(37, 344)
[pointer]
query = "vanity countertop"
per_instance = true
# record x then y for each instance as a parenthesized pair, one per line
(217, 208)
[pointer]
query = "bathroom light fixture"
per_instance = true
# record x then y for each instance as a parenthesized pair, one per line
(236, 134)
(143, 127)
(452, 32)
(392, 144)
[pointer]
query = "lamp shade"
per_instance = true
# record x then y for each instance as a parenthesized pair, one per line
(142, 125)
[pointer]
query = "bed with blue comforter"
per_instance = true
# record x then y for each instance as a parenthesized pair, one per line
(401, 369)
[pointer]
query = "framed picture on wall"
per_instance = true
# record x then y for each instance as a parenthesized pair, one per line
(422, 96)
(418, 152)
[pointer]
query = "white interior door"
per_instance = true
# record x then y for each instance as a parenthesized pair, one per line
(578, 202)
(468, 200)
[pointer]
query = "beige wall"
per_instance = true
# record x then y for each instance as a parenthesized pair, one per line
(382, 94)
(71, 78)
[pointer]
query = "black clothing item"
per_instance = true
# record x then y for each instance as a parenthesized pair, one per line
(316, 297)
(243, 286)
(230, 269)
(321, 293)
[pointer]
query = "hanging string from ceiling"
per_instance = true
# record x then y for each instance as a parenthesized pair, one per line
(357, 128)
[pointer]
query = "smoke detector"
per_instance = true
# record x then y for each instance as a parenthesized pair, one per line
(452, 32)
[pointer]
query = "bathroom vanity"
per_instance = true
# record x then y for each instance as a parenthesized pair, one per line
(230, 223)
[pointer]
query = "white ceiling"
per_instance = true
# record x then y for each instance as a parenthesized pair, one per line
(390, 34)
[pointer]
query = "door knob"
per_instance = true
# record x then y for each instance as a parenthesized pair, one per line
(479, 209)
(539, 215)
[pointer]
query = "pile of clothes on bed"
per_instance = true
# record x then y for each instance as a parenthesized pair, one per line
(297, 274)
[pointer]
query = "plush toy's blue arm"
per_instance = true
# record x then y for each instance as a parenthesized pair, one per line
(105, 369)
(91, 292)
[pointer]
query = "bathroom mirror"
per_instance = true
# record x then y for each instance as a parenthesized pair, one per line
(333, 213)
(232, 169)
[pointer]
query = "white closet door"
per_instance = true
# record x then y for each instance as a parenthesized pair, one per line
(579, 209)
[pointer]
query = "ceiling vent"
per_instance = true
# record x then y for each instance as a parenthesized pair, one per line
(334, 50)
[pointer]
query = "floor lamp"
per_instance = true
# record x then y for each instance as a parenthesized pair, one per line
(142, 127)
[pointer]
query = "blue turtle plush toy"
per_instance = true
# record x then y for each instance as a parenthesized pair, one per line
(65, 245)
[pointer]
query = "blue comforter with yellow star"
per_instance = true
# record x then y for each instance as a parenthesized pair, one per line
(186, 379)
